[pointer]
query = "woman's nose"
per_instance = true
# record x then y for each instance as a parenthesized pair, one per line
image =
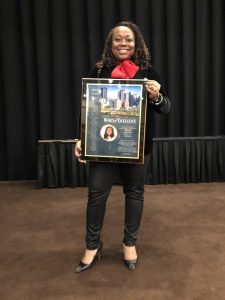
(123, 42)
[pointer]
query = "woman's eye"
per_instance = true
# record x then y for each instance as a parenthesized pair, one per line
(119, 40)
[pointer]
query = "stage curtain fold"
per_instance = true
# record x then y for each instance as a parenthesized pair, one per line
(179, 160)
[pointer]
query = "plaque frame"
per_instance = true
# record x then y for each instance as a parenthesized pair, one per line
(118, 107)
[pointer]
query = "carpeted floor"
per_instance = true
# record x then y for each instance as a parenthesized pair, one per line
(181, 244)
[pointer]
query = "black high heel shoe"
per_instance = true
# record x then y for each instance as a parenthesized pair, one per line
(83, 267)
(130, 263)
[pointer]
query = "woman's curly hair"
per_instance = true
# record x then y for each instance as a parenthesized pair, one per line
(141, 55)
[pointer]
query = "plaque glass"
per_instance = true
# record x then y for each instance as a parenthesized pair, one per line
(113, 115)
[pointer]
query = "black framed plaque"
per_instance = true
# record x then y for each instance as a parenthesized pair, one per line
(113, 113)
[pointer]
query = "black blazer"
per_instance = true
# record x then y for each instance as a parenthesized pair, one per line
(162, 108)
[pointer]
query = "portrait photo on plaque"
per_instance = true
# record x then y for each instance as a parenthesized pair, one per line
(113, 113)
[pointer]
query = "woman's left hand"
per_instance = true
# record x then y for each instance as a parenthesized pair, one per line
(153, 88)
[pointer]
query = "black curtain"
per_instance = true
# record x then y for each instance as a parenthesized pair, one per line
(173, 160)
(47, 46)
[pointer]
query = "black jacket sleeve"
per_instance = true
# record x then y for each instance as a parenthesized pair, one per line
(164, 107)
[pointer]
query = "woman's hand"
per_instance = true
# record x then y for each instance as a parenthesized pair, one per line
(153, 88)
(78, 152)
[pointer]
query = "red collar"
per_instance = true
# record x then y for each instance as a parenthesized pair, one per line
(126, 70)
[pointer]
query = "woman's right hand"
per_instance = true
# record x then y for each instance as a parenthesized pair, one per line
(78, 152)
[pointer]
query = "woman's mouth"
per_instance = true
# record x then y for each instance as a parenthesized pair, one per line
(122, 51)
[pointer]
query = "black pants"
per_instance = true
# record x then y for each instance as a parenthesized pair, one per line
(101, 178)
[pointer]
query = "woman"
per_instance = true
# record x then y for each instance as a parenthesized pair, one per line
(125, 55)
(109, 134)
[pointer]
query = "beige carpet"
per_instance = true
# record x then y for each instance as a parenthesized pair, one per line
(181, 244)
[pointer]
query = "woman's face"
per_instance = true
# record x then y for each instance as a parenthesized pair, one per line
(123, 43)
(109, 131)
